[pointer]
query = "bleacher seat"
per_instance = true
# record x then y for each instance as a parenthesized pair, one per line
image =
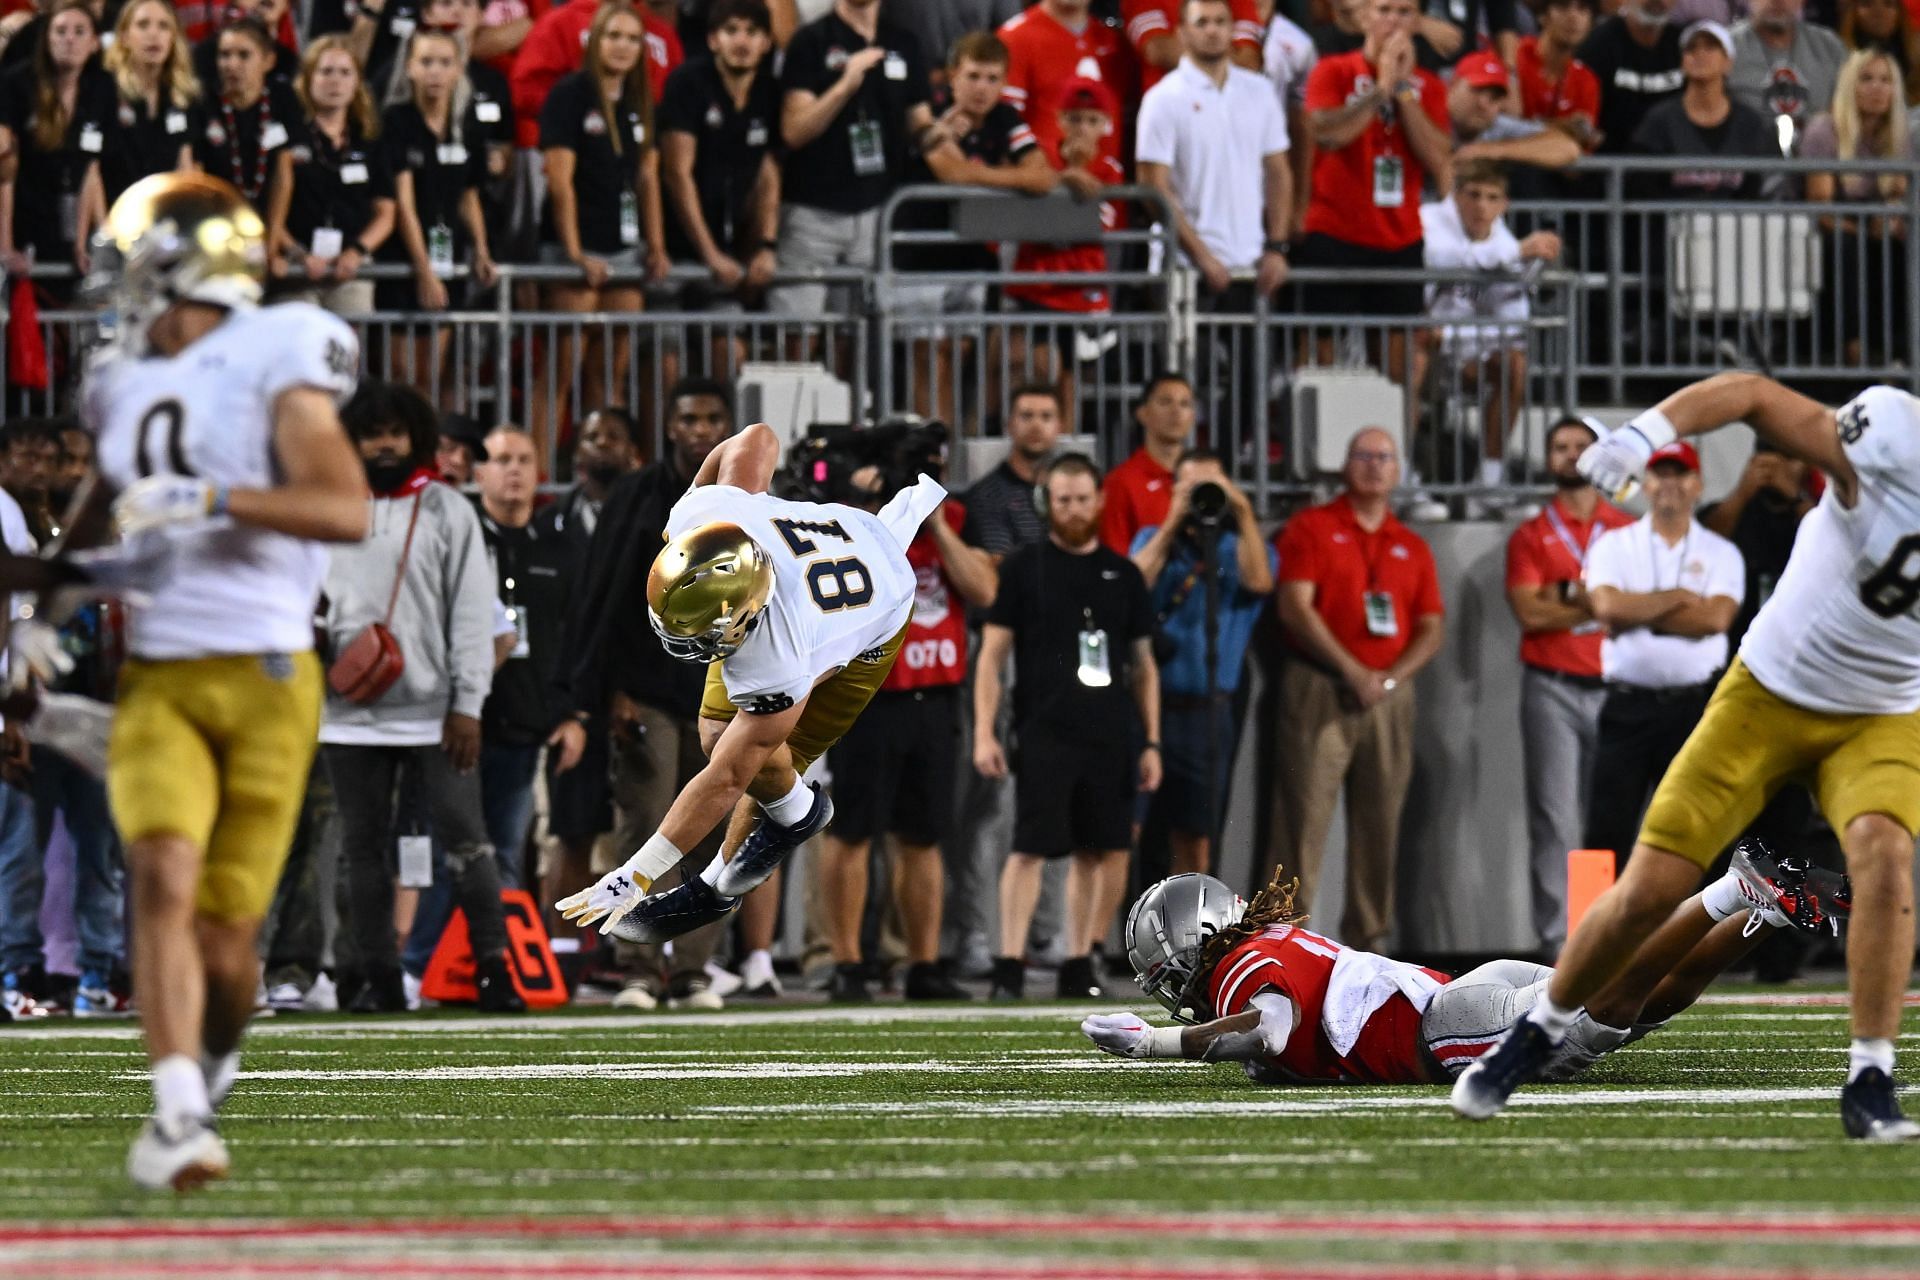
(1329, 405)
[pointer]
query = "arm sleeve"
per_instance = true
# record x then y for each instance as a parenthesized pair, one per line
(1140, 614)
(677, 111)
(1880, 433)
(1273, 127)
(1523, 560)
(1145, 19)
(321, 351)
(1019, 75)
(559, 122)
(1729, 575)
(1326, 87)
(1299, 555)
(1005, 611)
(1433, 100)
(1116, 517)
(1427, 601)
(1248, 30)
(471, 597)
(1276, 1020)
(1604, 561)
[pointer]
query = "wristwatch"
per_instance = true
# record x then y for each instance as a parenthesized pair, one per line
(1149, 746)
(1282, 247)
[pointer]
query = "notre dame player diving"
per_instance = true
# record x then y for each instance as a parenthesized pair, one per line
(1825, 691)
(799, 609)
(216, 429)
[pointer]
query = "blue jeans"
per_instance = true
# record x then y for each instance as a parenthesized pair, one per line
(99, 871)
(506, 802)
(23, 881)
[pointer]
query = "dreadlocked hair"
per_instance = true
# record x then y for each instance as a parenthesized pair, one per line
(1271, 906)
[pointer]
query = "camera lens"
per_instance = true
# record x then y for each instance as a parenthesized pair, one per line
(1208, 501)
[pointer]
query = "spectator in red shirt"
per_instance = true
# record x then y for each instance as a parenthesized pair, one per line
(1381, 127)
(1153, 29)
(1140, 489)
(1557, 88)
(554, 47)
(1057, 41)
(1560, 686)
(1360, 603)
(894, 772)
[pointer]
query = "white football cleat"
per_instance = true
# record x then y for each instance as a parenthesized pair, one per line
(182, 1156)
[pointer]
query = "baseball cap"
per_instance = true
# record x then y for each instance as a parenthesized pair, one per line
(1084, 93)
(1679, 451)
(1483, 70)
(458, 426)
(1717, 30)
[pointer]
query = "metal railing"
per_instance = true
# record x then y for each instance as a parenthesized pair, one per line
(1650, 292)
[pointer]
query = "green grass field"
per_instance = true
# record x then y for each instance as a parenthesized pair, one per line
(921, 1142)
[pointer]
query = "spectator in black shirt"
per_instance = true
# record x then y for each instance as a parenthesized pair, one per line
(978, 140)
(1000, 509)
(649, 702)
(379, 33)
(55, 114)
(1635, 55)
(433, 146)
(159, 109)
(522, 710)
(603, 210)
(1077, 618)
(491, 107)
(854, 103)
(283, 63)
(718, 118)
(1704, 121)
(251, 119)
(333, 204)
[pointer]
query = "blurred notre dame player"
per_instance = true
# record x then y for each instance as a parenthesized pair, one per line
(799, 609)
(216, 429)
(1826, 691)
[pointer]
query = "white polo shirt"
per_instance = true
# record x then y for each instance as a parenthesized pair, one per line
(1212, 138)
(1633, 558)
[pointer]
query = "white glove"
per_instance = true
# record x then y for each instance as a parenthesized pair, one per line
(608, 901)
(1614, 463)
(158, 501)
(1122, 1034)
(34, 652)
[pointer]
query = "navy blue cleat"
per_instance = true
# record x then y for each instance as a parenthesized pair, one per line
(762, 852)
(1522, 1055)
(682, 909)
(1871, 1112)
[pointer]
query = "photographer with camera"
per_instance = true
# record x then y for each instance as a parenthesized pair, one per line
(895, 770)
(1359, 599)
(1209, 572)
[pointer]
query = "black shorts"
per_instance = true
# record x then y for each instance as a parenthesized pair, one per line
(893, 771)
(1073, 796)
(579, 801)
(1361, 298)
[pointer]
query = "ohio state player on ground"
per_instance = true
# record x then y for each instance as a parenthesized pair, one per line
(1296, 1008)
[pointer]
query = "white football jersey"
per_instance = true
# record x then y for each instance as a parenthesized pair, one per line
(1841, 632)
(208, 412)
(841, 582)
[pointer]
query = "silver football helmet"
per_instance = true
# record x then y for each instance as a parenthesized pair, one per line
(1167, 929)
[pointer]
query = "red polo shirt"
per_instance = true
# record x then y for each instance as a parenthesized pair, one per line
(1139, 491)
(1575, 93)
(1538, 554)
(1348, 203)
(1326, 546)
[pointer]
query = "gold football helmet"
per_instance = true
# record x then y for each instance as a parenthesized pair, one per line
(175, 237)
(707, 591)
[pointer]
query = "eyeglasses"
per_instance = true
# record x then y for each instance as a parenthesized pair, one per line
(1371, 455)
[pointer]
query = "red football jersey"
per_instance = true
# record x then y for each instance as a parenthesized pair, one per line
(1368, 192)
(1042, 56)
(1575, 93)
(1085, 299)
(1145, 19)
(1300, 966)
(934, 654)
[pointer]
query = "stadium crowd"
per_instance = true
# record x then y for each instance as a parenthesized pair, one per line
(539, 729)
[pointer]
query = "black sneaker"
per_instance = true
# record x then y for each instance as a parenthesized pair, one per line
(1077, 981)
(849, 985)
(769, 843)
(1009, 978)
(687, 906)
(1483, 1088)
(383, 993)
(930, 982)
(1871, 1112)
(497, 992)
